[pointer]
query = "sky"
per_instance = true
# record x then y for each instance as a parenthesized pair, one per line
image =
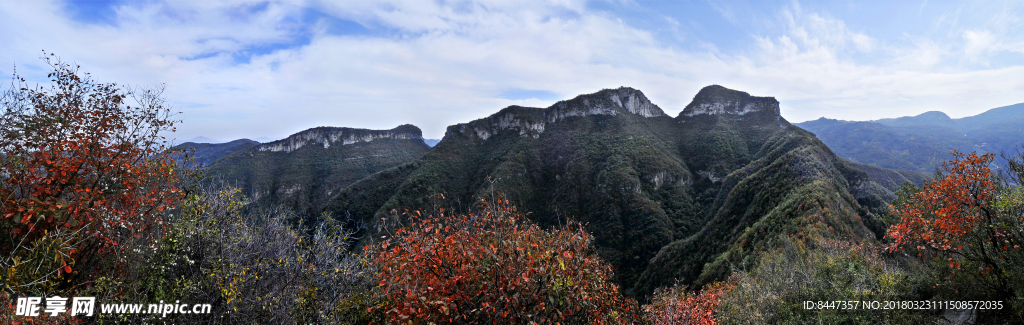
(243, 69)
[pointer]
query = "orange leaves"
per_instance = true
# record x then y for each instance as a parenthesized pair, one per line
(676, 306)
(946, 209)
(495, 267)
(76, 159)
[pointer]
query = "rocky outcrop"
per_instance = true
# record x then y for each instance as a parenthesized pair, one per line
(531, 122)
(718, 100)
(635, 102)
(605, 102)
(328, 136)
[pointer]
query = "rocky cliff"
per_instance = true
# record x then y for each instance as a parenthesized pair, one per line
(328, 136)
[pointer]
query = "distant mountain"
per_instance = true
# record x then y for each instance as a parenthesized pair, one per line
(202, 139)
(927, 118)
(207, 153)
(431, 142)
(302, 170)
(921, 143)
(666, 198)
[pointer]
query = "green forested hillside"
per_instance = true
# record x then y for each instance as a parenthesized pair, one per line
(921, 143)
(206, 153)
(665, 197)
(301, 171)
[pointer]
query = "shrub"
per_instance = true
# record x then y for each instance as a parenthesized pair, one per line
(969, 224)
(824, 270)
(251, 265)
(674, 305)
(494, 267)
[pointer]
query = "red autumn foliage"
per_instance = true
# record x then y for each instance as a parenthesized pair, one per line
(495, 268)
(674, 306)
(78, 157)
(971, 220)
(940, 217)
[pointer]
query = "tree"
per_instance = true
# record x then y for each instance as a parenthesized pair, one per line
(947, 209)
(84, 173)
(495, 267)
(253, 265)
(970, 224)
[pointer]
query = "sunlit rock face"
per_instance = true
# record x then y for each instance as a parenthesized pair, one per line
(718, 100)
(635, 102)
(531, 122)
(329, 136)
(605, 102)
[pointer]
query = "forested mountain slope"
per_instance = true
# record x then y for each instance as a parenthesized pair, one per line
(304, 169)
(664, 197)
(206, 153)
(921, 143)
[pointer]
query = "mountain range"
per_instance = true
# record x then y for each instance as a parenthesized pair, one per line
(921, 143)
(666, 198)
(207, 153)
(684, 198)
(304, 169)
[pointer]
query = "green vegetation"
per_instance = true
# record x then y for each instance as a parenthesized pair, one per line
(206, 153)
(775, 290)
(305, 169)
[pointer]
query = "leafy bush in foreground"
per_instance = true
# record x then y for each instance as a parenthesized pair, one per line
(774, 292)
(675, 306)
(495, 267)
(969, 225)
(253, 266)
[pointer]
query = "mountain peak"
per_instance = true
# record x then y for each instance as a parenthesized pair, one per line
(202, 139)
(715, 100)
(532, 121)
(926, 118)
(633, 101)
(933, 115)
(606, 102)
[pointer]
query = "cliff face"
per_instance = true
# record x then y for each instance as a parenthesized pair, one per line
(724, 129)
(328, 136)
(304, 169)
(531, 122)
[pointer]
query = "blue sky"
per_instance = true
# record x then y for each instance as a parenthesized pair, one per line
(268, 69)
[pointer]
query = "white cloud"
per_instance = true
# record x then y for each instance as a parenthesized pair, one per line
(919, 55)
(863, 42)
(979, 44)
(438, 63)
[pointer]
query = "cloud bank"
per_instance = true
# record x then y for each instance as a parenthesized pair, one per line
(243, 69)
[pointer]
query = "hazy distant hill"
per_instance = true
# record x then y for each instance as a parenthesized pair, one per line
(302, 170)
(665, 197)
(921, 143)
(202, 139)
(207, 153)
